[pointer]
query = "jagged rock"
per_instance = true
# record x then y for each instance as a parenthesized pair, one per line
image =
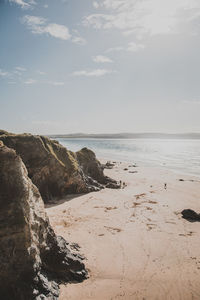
(132, 166)
(33, 260)
(55, 170)
(90, 165)
(109, 165)
(3, 132)
(190, 215)
(112, 185)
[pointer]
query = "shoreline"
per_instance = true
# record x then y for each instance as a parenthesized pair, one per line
(135, 241)
(175, 155)
(143, 165)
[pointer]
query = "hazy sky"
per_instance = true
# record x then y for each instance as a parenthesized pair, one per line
(100, 66)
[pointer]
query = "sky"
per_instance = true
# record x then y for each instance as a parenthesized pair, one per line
(103, 66)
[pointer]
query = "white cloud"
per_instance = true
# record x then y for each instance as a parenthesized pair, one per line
(102, 59)
(41, 72)
(144, 17)
(99, 21)
(46, 6)
(33, 22)
(30, 81)
(134, 47)
(16, 72)
(21, 69)
(114, 49)
(32, 2)
(22, 3)
(93, 73)
(58, 31)
(39, 25)
(79, 40)
(3, 73)
(95, 4)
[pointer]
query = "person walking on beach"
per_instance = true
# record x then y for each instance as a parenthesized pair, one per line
(165, 186)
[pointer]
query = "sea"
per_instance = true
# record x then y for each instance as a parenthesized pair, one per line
(179, 155)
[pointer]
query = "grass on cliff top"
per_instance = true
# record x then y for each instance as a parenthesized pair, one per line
(66, 158)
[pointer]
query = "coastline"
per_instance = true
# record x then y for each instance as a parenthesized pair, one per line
(136, 243)
(180, 156)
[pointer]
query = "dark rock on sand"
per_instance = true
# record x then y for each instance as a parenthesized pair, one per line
(33, 260)
(109, 165)
(55, 170)
(3, 132)
(132, 166)
(190, 215)
(92, 167)
(112, 185)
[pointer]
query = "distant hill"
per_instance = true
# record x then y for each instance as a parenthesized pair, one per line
(129, 136)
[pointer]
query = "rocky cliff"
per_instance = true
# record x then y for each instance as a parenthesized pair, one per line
(55, 170)
(33, 260)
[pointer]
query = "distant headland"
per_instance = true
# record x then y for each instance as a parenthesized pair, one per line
(129, 135)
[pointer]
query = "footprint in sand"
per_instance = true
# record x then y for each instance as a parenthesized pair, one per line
(152, 202)
(113, 230)
(106, 208)
(148, 208)
(101, 234)
(136, 204)
(132, 218)
(186, 234)
(170, 222)
(110, 208)
(151, 226)
(138, 196)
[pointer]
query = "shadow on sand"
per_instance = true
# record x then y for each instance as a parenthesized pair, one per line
(67, 198)
(190, 215)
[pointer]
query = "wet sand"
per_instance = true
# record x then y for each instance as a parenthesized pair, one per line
(136, 244)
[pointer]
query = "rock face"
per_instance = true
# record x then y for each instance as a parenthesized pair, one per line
(33, 260)
(90, 165)
(55, 170)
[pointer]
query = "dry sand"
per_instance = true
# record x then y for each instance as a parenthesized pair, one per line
(136, 243)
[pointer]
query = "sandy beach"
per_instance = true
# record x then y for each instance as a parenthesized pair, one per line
(136, 243)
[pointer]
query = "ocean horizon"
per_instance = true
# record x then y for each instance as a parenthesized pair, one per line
(179, 155)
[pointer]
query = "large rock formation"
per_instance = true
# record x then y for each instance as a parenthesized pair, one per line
(33, 260)
(55, 170)
(90, 165)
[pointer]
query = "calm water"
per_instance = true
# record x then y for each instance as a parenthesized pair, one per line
(179, 155)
